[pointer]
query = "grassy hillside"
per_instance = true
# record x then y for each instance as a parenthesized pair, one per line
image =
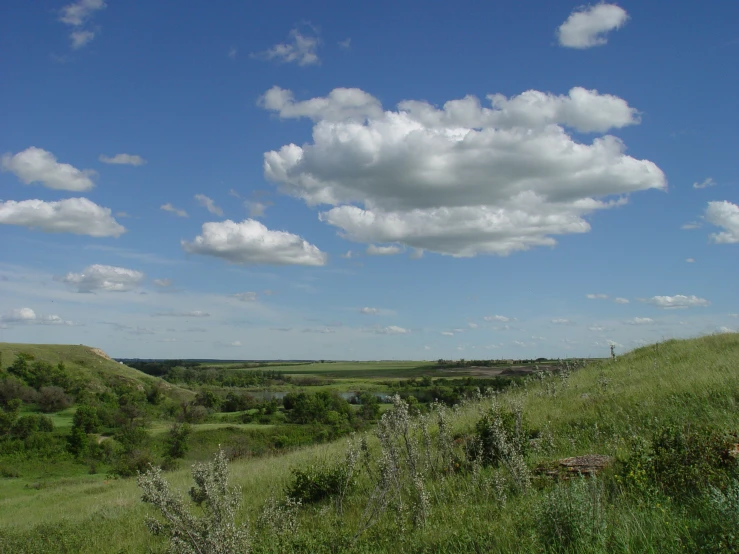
(648, 411)
(88, 365)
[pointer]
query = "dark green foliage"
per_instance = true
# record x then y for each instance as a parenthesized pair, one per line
(27, 425)
(680, 460)
(369, 406)
(77, 442)
(208, 399)
(38, 373)
(132, 462)
(86, 418)
(238, 402)
(318, 482)
(321, 407)
(176, 442)
(12, 388)
(53, 399)
(8, 415)
(687, 459)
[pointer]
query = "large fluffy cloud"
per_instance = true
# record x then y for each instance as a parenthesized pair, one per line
(104, 278)
(250, 242)
(463, 179)
(36, 165)
(587, 26)
(72, 215)
(726, 215)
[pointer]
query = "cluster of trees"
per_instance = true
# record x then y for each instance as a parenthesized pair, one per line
(442, 363)
(447, 391)
(191, 374)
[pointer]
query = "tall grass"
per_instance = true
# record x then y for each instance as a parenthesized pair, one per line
(606, 408)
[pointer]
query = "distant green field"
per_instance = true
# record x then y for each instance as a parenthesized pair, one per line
(353, 370)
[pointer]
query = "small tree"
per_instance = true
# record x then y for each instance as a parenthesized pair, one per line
(215, 532)
(176, 442)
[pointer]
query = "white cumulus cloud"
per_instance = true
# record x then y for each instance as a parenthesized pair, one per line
(677, 301)
(462, 179)
(104, 278)
(597, 296)
(164, 283)
(209, 204)
(726, 215)
(620, 300)
(300, 48)
(36, 165)
(587, 26)
(341, 104)
(250, 242)
(369, 311)
(79, 216)
(122, 159)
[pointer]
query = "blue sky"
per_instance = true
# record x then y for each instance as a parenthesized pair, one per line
(410, 180)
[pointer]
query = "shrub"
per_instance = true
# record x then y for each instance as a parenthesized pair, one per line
(501, 434)
(132, 462)
(572, 517)
(687, 459)
(215, 531)
(679, 461)
(53, 399)
(318, 482)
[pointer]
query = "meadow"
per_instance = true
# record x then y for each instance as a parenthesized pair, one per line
(475, 477)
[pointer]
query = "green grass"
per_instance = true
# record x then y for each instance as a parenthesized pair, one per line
(599, 409)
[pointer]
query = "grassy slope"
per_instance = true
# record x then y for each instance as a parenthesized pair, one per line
(597, 410)
(82, 362)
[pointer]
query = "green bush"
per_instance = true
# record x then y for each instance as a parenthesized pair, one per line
(318, 482)
(502, 433)
(572, 517)
(680, 461)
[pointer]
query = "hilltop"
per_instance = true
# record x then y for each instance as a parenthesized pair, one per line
(88, 365)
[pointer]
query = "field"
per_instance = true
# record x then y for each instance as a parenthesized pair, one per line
(614, 409)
